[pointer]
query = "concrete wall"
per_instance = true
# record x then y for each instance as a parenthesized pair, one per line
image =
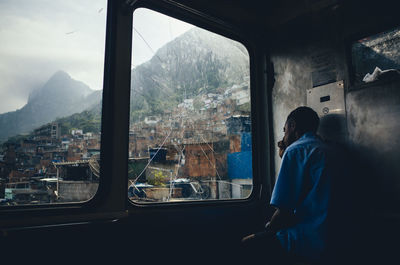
(76, 191)
(241, 188)
(374, 125)
(294, 67)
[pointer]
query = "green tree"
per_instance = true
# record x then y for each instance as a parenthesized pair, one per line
(159, 178)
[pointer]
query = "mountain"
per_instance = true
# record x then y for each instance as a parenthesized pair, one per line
(197, 62)
(60, 96)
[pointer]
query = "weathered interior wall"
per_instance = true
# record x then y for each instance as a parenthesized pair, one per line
(289, 89)
(374, 125)
(370, 141)
(294, 66)
(372, 110)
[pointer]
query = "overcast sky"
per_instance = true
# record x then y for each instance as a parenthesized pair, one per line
(154, 28)
(38, 38)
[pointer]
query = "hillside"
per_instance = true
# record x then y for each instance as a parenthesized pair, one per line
(60, 96)
(196, 63)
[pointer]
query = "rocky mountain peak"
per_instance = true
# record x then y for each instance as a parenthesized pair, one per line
(60, 96)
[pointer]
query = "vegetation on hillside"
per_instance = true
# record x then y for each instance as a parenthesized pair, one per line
(88, 121)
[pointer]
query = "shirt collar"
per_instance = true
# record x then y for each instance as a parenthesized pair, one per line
(307, 135)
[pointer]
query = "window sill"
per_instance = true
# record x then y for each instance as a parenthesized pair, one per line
(59, 220)
(378, 82)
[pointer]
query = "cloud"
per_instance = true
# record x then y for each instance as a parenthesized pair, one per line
(38, 38)
(156, 29)
(34, 45)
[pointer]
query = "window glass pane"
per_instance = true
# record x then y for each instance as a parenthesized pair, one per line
(190, 127)
(52, 57)
(377, 57)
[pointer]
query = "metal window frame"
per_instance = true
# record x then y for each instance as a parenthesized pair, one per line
(259, 97)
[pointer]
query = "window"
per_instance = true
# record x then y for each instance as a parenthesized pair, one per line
(50, 100)
(377, 57)
(190, 127)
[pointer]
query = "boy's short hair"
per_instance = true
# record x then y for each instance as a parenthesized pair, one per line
(306, 119)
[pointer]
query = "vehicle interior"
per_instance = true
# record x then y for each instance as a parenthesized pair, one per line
(342, 58)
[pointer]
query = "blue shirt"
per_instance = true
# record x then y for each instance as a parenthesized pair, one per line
(304, 187)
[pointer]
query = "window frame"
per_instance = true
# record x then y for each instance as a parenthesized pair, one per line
(111, 201)
(352, 37)
(221, 28)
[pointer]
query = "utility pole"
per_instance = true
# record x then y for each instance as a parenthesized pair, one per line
(58, 176)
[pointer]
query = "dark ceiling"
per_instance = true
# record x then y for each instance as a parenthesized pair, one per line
(263, 14)
(285, 17)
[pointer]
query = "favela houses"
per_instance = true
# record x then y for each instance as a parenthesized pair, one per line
(189, 134)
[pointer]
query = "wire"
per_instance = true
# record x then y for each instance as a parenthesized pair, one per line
(148, 45)
(210, 162)
(206, 143)
(151, 159)
(191, 121)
